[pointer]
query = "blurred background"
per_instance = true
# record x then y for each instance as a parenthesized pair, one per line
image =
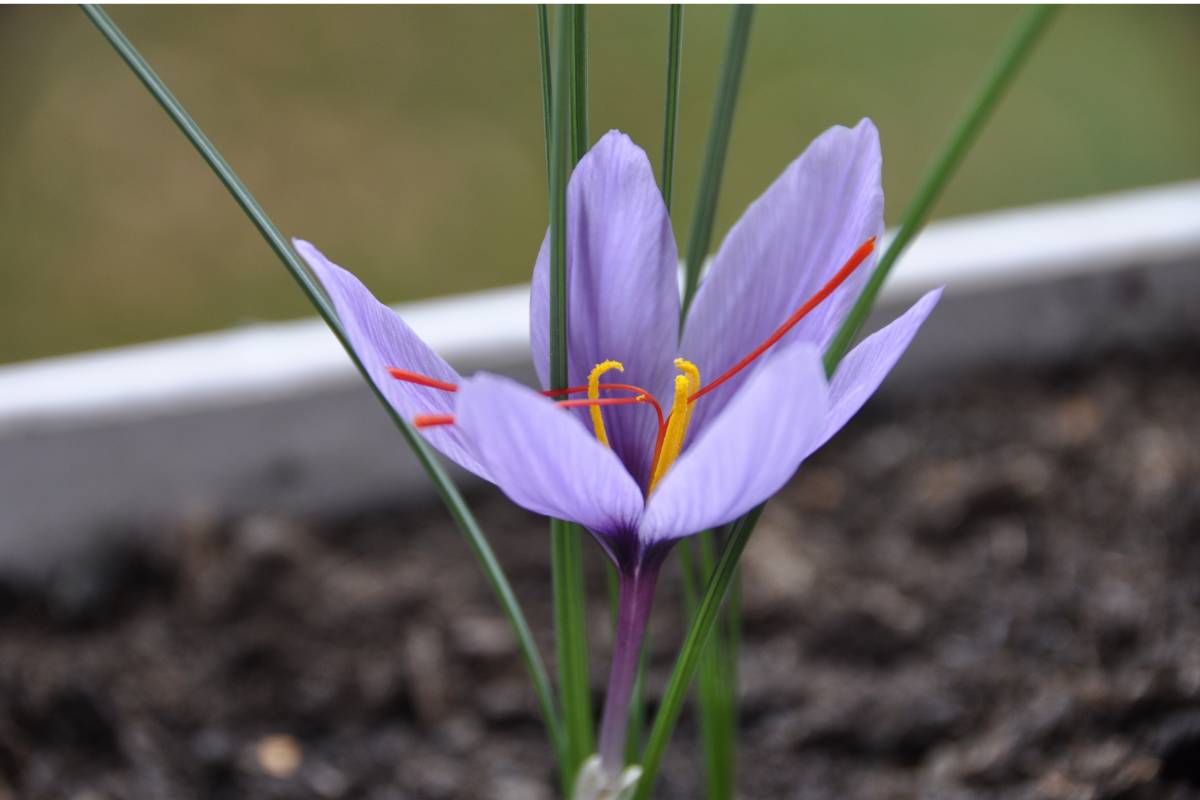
(223, 575)
(407, 142)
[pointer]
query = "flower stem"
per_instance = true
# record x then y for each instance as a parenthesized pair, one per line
(636, 594)
(692, 650)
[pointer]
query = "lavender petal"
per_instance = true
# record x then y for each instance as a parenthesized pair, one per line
(864, 368)
(786, 246)
(381, 340)
(544, 459)
(748, 451)
(623, 292)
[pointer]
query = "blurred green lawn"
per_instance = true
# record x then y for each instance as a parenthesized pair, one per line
(407, 142)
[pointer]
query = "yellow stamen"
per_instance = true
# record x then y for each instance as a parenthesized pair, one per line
(693, 374)
(593, 393)
(677, 423)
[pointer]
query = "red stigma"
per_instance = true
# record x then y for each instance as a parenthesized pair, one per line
(837, 280)
(642, 398)
(421, 421)
(421, 380)
(432, 420)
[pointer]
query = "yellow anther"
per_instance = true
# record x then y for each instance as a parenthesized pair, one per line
(677, 424)
(594, 394)
(693, 374)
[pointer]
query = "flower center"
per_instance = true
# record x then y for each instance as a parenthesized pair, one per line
(688, 389)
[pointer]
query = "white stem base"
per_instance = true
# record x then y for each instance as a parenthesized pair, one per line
(596, 783)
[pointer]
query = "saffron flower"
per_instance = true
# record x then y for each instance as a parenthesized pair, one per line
(664, 430)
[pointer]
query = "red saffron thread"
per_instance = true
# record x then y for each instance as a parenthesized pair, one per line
(434, 420)
(837, 280)
(421, 380)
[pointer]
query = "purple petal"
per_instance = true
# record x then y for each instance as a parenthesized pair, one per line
(748, 452)
(786, 246)
(381, 339)
(622, 287)
(544, 459)
(865, 367)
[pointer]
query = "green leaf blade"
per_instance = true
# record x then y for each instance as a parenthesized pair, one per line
(449, 493)
(566, 540)
(719, 132)
(1013, 56)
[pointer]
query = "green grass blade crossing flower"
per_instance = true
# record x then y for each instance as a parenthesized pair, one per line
(999, 78)
(690, 652)
(579, 85)
(716, 693)
(566, 540)
(446, 488)
(671, 101)
(719, 131)
(637, 711)
(543, 21)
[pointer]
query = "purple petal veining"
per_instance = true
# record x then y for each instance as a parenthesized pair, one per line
(622, 287)
(787, 244)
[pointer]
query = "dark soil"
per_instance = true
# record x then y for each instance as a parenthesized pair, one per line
(989, 590)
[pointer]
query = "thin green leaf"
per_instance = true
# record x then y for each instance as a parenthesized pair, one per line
(560, 133)
(570, 632)
(671, 105)
(671, 115)
(1014, 55)
(987, 97)
(445, 486)
(579, 86)
(543, 20)
(713, 695)
(719, 130)
(716, 697)
(566, 540)
(733, 649)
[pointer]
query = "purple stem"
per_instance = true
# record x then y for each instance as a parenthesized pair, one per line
(633, 610)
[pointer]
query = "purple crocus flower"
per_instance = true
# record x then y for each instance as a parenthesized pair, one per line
(611, 459)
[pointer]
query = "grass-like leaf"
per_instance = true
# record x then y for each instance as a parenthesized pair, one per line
(543, 23)
(579, 85)
(707, 612)
(671, 99)
(987, 96)
(566, 540)
(998, 79)
(716, 694)
(719, 130)
(449, 492)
